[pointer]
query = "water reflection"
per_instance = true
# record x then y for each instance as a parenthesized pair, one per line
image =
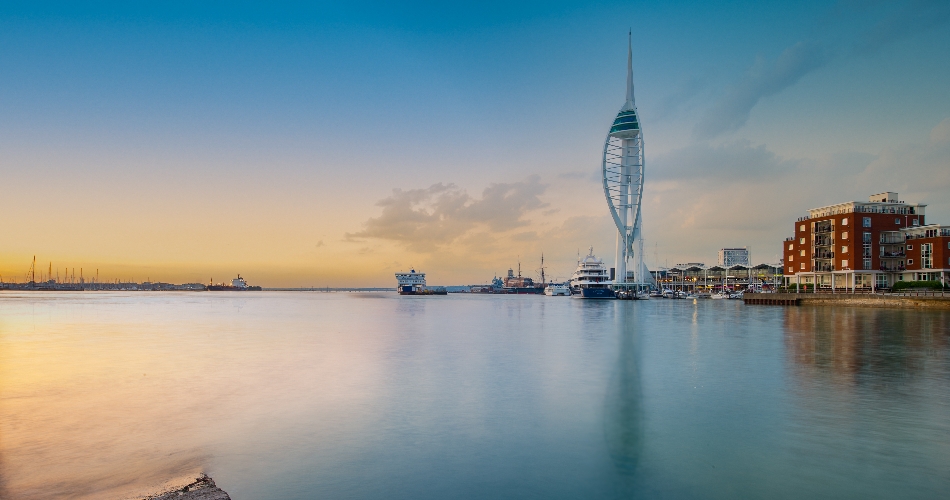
(864, 346)
(622, 415)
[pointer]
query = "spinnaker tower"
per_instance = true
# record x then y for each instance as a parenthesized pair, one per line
(623, 169)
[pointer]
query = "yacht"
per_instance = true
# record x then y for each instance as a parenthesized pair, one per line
(555, 289)
(590, 280)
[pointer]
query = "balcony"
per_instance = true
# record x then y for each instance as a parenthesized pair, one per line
(893, 255)
(822, 229)
(824, 255)
(820, 267)
(892, 269)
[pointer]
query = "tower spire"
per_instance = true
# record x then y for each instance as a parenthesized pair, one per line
(630, 104)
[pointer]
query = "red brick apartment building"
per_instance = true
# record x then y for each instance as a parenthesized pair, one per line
(866, 245)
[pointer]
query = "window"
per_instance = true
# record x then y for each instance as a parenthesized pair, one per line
(844, 249)
(844, 222)
(867, 263)
(927, 256)
(867, 222)
(801, 228)
(844, 263)
(791, 258)
(803, 265)
(897, 221)
(916, 222)
(791, 246)
(802, 241)
(803, 253)
(910, 247)
(910, 262)
(844, 235)
(867, 238)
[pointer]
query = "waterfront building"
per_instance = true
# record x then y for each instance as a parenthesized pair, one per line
(729, 257)
(866, 245)
(622, 171)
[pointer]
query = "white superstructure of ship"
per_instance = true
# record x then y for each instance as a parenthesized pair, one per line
(591, 279)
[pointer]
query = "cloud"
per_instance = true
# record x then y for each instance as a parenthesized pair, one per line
(739, 161)
(911, 18)
(425, 219)
(761, 80)
(917, 171)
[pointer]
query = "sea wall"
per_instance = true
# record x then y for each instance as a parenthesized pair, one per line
(847, 299)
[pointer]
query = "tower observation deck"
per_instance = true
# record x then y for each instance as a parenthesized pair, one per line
(623, 169)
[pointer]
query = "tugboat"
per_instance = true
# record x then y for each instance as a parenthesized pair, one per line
(237, 285)
(590, 280)
(413, 283)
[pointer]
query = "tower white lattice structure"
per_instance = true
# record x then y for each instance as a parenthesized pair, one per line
(623, 170)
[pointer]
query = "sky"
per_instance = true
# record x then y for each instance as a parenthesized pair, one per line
(333, 144)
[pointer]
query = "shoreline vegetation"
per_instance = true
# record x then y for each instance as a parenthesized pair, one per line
(202, 488)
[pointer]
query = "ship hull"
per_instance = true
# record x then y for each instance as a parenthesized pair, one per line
(226, 288)
(523, 290)
(594, 293)
(423, 292)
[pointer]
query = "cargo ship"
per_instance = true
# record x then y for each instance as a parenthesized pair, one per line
(237, 285)
(414, 283)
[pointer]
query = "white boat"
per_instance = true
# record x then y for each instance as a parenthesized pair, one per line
(555, 289)
(719, 295)
(591, 280)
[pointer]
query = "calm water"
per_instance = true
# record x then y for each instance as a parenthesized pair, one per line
(316, 395)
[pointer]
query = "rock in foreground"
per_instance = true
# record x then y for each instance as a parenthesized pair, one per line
(203, 488)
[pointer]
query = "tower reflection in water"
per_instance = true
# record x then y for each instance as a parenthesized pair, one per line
(623, 429)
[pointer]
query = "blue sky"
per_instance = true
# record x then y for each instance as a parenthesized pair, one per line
(306, 117)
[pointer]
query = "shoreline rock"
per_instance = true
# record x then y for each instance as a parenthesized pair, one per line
(203, 488)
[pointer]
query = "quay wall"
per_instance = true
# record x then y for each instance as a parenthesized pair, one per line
(847, 299)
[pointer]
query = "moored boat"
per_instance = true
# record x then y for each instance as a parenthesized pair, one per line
(590, 280)
(555, 289)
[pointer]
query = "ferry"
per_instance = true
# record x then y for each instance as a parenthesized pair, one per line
(590, 280)
(414, 283)
(555, 289)
(238, 284)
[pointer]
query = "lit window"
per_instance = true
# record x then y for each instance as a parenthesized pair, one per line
(791, 258)
(802, 241)
(791, 246)
(803, 253)
(803, 265)
(844, 263)
(802, 228)
(844, 222)
(844, 249)
(791, 269)
(844, 235)
(867, 222)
